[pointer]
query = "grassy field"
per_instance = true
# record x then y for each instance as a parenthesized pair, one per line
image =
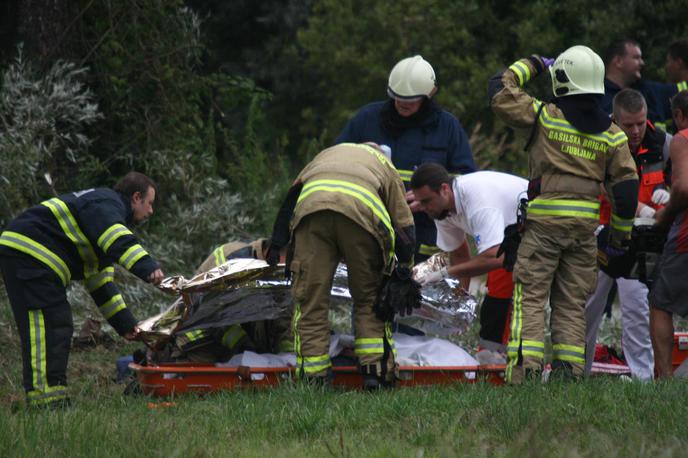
(596, 417)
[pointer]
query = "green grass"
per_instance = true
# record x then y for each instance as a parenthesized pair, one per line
(599, 417)
(602, 416)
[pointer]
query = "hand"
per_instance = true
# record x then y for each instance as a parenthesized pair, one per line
(272, 257)
(614, 252)
(133, 334)
(547, 61)
(647, 212)
(400, 294)
(413, 204)
(156, 277)
(660, 196)
(434, 277)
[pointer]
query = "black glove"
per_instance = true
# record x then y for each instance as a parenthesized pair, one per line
(509, 246)
(400, 294)
(272, 256)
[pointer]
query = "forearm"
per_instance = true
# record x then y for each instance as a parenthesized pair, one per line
(478, 265)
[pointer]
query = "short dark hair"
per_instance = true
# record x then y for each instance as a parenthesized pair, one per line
(628, 100)
(679, 50)
(134, 182)
(431, 175)
(680, 102)
(617, 48)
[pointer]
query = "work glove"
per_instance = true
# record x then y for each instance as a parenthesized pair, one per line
(509, 246)
(272, 257)
(547, 61)
(434, 277)
(647, 212)
(660, 197)
(400, 294)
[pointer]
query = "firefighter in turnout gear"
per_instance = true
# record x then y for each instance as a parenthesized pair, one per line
(219, 344)
(347, 204)
(72, 237)
(574, 149)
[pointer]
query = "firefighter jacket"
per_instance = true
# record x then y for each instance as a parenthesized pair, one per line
(657, 96)
(437, 138)
(233, 250)
(362, 184)
(568, 165)
(79, 236)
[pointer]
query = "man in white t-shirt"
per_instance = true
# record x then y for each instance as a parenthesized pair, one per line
(481, 205)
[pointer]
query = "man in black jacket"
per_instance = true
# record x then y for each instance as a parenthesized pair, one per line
(75, 236)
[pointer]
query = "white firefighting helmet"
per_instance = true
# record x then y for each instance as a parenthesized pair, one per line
(578, 70)
(411, 79)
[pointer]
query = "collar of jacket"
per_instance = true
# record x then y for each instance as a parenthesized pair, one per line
(394, 124)
(585, 112)
(127, 207)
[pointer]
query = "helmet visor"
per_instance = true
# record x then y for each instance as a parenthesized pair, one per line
(404, 98)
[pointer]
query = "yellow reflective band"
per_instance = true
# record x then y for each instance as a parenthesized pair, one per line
(682, 86)
(622, 224)
(370, 200)
(536, 105)
(571, 353)
(388, 337)
(381, 157)
(522, 71)
(405, 175)
(533, 348)
(219, 254)
(73, 232)
(194, 335)
(295, 328)
(564, 126)
(46, 395)
(28, 246)
(314, 364)
(113, 306)
(96, 281)
(533, 343)
(38, 352)
(564, 207)
(131, 256)
(572, 348)
(540, 354)
(111, 234)
(428, 250)
(369, 346)
(232, 336)
(515, 336)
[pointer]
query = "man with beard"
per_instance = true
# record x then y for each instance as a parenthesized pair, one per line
(417, 131)
(482, 205)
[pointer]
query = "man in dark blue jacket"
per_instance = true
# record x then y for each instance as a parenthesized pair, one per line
(416, 130)
(72, 237)
(623, 64)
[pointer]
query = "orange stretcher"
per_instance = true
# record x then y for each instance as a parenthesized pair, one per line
(177, 378)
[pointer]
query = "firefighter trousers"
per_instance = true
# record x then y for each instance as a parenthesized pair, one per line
(556, 260)
(321, 240)
(44, 321)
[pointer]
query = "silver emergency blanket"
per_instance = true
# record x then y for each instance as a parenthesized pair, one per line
(245, 290)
